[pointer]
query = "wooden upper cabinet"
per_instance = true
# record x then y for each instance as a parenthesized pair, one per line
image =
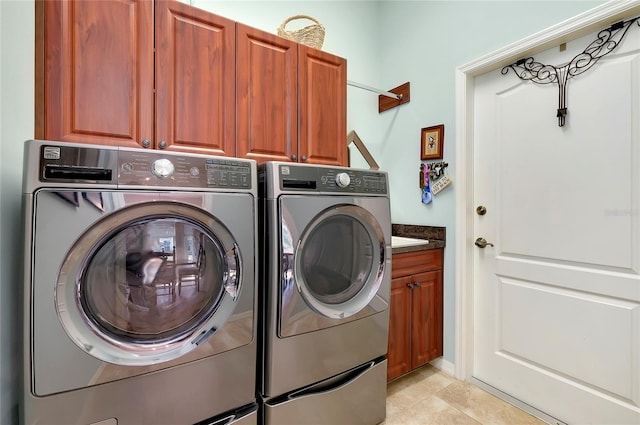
(195, 80)
(94, 71)
(96, 75)
(291, 100)
(322, 80)
(163, 74)
(266, 95)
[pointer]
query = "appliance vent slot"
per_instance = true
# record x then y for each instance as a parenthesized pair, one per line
(77, 173)
(299, 184)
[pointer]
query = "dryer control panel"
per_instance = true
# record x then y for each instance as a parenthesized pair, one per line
(306, 178)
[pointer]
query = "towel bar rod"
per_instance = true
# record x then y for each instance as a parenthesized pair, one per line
(382, 92)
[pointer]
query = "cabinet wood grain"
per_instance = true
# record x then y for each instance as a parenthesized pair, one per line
(323, 107)
(266, 96)
(416, 311)
(399, 350)
(166, 75)
(195, 80)
(426, 316)
(136, 73)
(94, 79)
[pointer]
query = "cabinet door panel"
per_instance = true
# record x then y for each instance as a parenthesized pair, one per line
(412, 262)
(323, 107)
(398, 353)
(426, 318)
(267, 103)
(95, 82)
(195, 80)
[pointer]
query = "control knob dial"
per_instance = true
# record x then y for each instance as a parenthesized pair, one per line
(343, 179)
(162, 168)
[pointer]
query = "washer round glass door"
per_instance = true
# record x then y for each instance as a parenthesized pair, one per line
(339, 261)
(148, 283)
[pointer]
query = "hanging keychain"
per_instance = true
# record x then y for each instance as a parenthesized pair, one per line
(427, 197)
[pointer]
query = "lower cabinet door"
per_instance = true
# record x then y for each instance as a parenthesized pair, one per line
(426, 318)
(399, 350)
(415, 322)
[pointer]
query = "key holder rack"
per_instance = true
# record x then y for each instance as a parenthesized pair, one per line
(436, 169)
(528, 69)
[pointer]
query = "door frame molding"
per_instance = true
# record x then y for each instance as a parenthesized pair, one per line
(578, 26)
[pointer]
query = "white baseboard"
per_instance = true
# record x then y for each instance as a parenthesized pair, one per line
(444, 365)
(517, 403)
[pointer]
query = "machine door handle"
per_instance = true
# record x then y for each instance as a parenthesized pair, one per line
(482, 243)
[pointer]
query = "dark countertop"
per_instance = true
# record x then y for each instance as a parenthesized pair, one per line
(437, 236)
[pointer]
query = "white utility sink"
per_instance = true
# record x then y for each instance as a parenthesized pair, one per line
(400, 241)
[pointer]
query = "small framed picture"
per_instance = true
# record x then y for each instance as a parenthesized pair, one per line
(432, 142)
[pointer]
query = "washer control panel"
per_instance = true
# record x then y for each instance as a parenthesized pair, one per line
(306, 178)
(158, 169)
(117, 166)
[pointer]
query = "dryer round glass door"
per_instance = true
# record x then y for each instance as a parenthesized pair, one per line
(339, 261)
(148, 283)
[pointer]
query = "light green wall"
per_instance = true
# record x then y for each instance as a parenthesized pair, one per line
(16, 125)
(389, 43)
(423, 42)
(386, 44)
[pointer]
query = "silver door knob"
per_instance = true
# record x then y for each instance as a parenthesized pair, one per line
(146, 143)
(482, 243)
(162, 144)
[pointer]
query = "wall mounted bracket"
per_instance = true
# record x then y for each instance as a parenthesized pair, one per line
(403, 93)
(388, 99)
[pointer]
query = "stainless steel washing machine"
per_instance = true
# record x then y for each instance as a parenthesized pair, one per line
(140, 287)
(324, 304)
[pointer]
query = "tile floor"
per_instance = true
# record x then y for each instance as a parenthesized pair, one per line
(428, 396)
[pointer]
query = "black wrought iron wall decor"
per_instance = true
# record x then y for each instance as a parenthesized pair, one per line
(528, 69)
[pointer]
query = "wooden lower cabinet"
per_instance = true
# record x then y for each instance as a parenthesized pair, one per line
(415, 319)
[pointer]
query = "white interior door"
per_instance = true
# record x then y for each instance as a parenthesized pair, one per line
(557, 298)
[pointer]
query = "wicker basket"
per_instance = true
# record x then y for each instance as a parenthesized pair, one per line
(312, 35)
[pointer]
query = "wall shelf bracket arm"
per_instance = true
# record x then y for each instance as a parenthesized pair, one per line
(388, 99)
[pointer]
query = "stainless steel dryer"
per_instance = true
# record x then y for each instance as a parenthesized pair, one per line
(139, 289)
(324, 305)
